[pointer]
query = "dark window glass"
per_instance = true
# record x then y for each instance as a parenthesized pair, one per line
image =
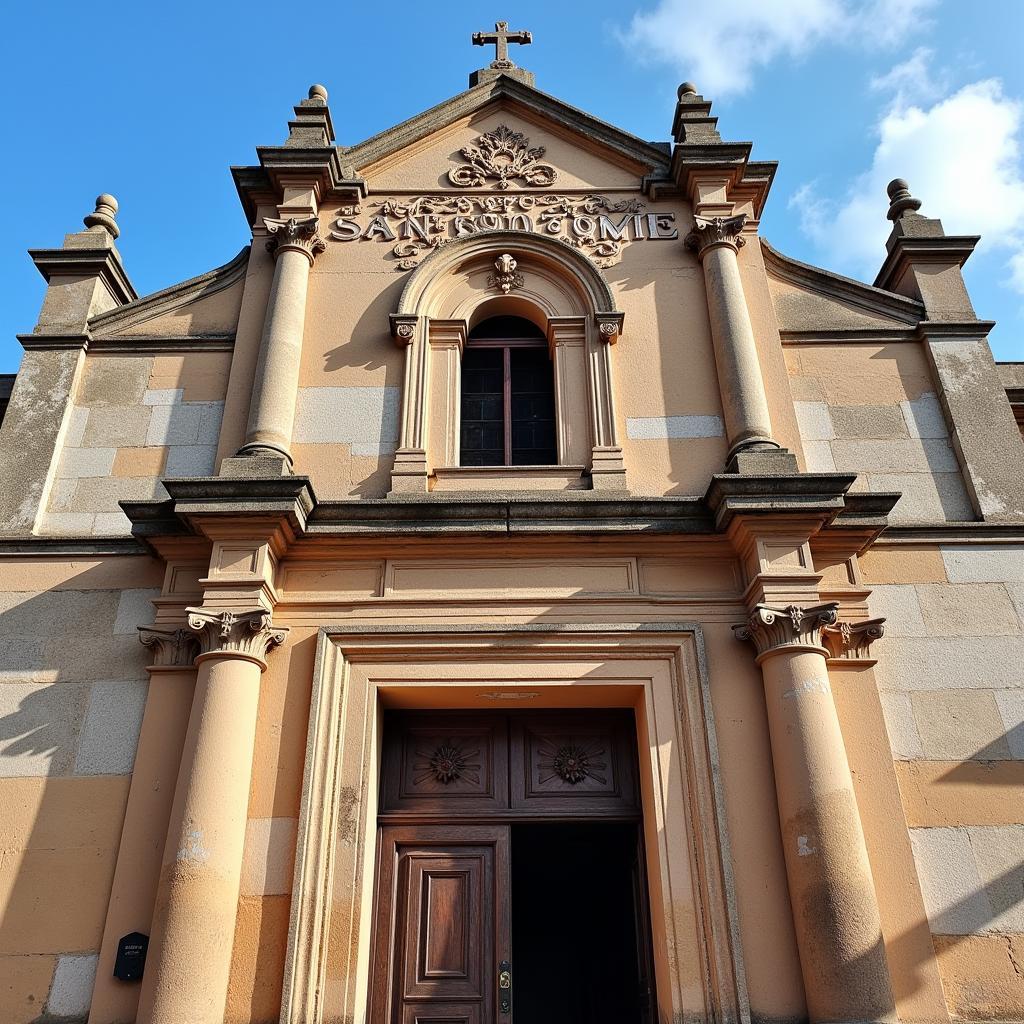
(508, 400)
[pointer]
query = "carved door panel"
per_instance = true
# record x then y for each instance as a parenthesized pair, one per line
(447, 764)
(442, 924)
(566, 764)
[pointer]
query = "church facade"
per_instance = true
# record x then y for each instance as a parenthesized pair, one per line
(511, 590)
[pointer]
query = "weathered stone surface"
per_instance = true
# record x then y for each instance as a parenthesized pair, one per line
(30, 431)
(901, 726)
(363, 416)
(899, 606)
(818, 457)
(79, 463)
(954, 896)
(986, 433)
(117, 427)
(39, 725)
(649, 428)
(926, 497)
(1011, 710)
(114, 381)
(910, 455)
(923, 416)
(110, 732)
(134, 609)
(959, 725)
(815, 421)
(997, 853)
(163, 396)
(190, 460)
(869, 421)
(67, 613)
(269, 857)
(935, 663)
(984, 563)
(978, 609)
(71, 991)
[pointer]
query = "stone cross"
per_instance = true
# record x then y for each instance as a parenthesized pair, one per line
(501, 37)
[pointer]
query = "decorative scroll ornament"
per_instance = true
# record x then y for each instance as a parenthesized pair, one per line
(572, 763)
(446, 764)
(772, 629)
(421, 225)
(172, 648)
(295, 235)
(609, 326)
(248, 635)
(713, 231)
(506, 278)
(851, 641)
(503, 154)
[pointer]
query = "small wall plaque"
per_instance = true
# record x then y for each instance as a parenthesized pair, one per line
(131, 956)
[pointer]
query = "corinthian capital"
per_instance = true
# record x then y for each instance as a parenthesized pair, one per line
(295, 235)
(775, 629)
(709, 232)
(248, 635)
(851, 641)
(172, 648)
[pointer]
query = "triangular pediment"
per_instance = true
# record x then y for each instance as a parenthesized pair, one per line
(810, 300)
(579, 151)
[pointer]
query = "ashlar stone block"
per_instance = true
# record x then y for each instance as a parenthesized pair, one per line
(110, 732)
(117, 427)
(984, 563)
(814, 421)
(39, 731)
(86, 462)
(954, 896)
(960, 725)
(968, 609)
(997, 853)
(71, 991)
(882, 422)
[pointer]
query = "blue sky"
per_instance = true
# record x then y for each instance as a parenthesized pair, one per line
(154, 103)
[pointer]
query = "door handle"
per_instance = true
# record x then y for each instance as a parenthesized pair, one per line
(505, 987)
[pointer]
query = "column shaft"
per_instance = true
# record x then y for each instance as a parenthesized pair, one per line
(272, 413)
(186, 980)
(835, 909)
(744, 401)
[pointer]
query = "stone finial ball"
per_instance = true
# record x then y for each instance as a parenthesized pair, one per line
(896, 186)
(318, 92)
(687, 89)
(106, 199)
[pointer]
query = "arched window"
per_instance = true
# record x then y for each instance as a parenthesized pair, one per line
(508, 397)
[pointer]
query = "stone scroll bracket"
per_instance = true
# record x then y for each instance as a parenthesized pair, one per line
(849, 643)
(172, 647)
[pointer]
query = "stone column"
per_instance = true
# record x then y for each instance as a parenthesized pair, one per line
(186, 979)
(748, 426)
(835, 910)
(295, 244)
(172, 677)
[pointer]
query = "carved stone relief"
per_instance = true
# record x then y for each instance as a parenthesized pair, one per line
(503, 156)
(505, 277)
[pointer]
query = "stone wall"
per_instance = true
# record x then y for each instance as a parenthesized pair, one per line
(952, 692)
(73, 687)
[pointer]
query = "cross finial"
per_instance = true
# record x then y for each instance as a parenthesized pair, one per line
(501, 37)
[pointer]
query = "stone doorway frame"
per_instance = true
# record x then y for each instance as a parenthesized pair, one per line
(658, 669)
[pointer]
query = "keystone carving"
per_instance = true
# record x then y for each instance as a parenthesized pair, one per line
(504, 155)
(294, 235)
(772, 629)
(248, 635)
(172, 647)
(709, 232)
(506, 278)
(851, 641)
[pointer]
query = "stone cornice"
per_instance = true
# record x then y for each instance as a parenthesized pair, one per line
(100, 261)
(168, 299)
(774, 630)
(248, 635)
(594, 131)
(173, 647)
(904, 250)
(874, 300)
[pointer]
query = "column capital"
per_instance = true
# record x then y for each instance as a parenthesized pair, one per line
(247, 635)
(714, 232)
(173, 646)
(851, 641)
(774, 629)
(294, 235)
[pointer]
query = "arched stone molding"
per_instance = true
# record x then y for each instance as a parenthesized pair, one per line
(556, 287)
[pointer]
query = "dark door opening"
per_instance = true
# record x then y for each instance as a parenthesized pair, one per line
(578, 926)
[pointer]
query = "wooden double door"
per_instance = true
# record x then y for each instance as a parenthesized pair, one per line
(510, 874)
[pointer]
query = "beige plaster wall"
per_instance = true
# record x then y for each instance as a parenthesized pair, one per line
(73, 686)
(952, 692)
(872, 409)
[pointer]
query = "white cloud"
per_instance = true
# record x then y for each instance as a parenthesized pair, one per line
(720, 44)
(911, 81)
(962, 157)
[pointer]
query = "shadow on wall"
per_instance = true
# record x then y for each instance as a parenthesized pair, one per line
(73, 687)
